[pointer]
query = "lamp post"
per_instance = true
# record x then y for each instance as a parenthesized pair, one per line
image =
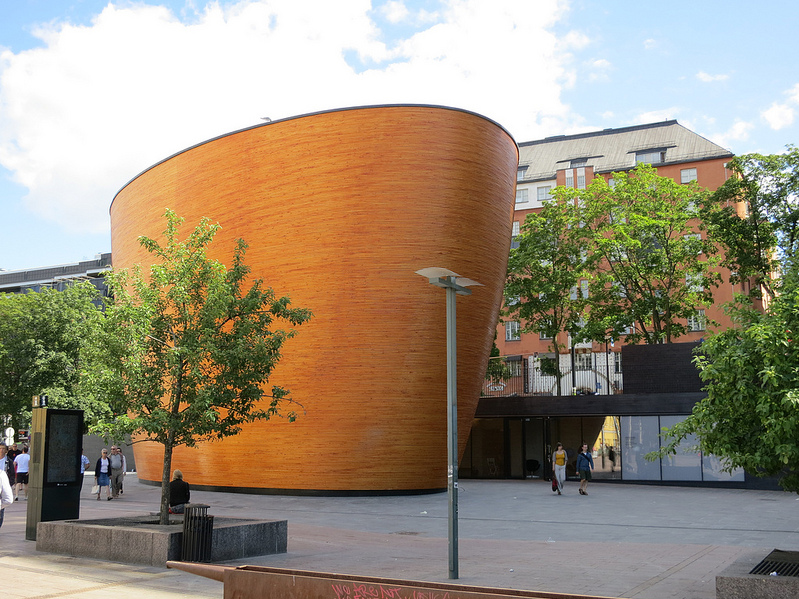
(454, 285)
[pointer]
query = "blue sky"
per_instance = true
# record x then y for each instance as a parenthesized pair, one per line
(92, 93)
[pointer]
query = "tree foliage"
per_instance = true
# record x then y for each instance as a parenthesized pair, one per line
(41, 335)
(188, 348)
(653, 267)
(755, 216)
(622, 258)
(750, 417)
(544, 271)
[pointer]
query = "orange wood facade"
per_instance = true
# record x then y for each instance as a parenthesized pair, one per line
(339, 209)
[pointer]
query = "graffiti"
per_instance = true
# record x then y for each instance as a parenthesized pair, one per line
(367, 591)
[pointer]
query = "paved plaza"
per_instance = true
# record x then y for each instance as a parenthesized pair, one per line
(619, 541)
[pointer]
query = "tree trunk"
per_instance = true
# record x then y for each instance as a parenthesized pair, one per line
(165, 475)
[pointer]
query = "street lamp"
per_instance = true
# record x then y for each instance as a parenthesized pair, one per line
(454, 285)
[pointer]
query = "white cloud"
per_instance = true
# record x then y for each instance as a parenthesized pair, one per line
(707, 78)
(599, 69)
(655, 116)
(650, 44)
(739, 131)
(97, 104)
(395, 11)
(779, 116)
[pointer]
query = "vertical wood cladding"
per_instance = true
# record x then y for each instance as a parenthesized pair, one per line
(339, 209)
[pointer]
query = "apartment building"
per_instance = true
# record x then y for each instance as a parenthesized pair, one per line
(520, 418)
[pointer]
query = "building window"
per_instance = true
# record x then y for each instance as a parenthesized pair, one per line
(543, 334)
(569, 177)
(617, 362)
(694, 283)
(512, 332)
(583, 291)
(514, 241)
(545, 193)
(514, 367)
(687, 175)
(650, 157)
(578, 162)
(580, 178)
(697, 321)
(520, 172)
(521, 196)
(582, 362)
(694, 237)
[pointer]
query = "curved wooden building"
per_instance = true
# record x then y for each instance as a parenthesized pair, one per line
(339, 209)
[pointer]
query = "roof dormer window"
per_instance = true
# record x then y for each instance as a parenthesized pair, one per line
(657, 156)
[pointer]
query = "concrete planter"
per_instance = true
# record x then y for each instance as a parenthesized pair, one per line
(736, 581)
(141, 540)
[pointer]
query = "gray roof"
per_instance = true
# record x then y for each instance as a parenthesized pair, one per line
(12, 280)
(613, 150)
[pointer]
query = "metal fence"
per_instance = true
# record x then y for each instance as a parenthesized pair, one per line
(582, 373)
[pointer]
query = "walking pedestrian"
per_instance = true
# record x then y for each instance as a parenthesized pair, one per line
(22, 464)
(559, 458)
(116, 463)
(585, 463)
(102, 475)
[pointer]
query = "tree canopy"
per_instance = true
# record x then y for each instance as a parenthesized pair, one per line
(755, 216)
(41, 334)
(750, 417)
(187, 348)
(542, 289)
(625, 257)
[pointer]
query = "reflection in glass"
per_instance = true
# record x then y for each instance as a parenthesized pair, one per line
(711, 469)
(639, 436)
(686, 463)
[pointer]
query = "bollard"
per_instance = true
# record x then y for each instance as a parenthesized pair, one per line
(198, 528)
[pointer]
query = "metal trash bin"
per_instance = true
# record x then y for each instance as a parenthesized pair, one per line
(198, 529)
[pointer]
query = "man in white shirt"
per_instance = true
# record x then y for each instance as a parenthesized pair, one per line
(22, 462)
(6, 494)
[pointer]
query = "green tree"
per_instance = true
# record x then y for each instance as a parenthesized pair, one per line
(542, 289)
(652, 269)
(187, 349)
(755, 217)
(41, 335)
(750, 417)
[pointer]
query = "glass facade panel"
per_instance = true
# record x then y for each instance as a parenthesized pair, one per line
(639, 436)
(535, 461)
(711, 470)
(522, 448)
(515, 448)
(486, 459)
(686, 463)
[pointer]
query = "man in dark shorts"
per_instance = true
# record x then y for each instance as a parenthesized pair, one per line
(22, 462)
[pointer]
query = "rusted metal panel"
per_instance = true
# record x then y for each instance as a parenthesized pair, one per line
(251, 582)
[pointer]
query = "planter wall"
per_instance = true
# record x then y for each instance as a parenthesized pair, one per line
(339, 209)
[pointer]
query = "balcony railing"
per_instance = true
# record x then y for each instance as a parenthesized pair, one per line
(580, 374)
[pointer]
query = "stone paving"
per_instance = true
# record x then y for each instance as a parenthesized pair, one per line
(619, 541)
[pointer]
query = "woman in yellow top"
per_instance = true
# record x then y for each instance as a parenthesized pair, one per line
(559, 462)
